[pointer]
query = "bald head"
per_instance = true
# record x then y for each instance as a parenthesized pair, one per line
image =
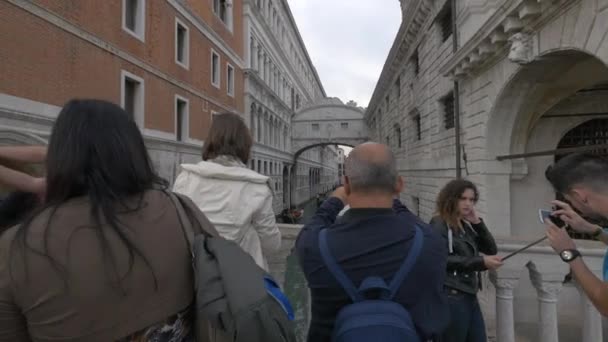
(371, 167)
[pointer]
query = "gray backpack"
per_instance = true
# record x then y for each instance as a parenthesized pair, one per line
(235, 299)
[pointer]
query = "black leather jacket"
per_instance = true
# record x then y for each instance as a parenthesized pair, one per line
(464, 261)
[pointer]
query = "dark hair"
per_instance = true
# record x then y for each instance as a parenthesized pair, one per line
(15, 207)
(578, 168)
(228, 135)
(447, 200)
(97, 151)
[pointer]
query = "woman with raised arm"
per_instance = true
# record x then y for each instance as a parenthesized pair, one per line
(104, 258)
(467, 236)
(237, 200)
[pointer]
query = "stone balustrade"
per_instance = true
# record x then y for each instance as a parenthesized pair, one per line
(541, 290)
(525, 300)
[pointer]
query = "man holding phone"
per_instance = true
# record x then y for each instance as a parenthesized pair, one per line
(583, 181)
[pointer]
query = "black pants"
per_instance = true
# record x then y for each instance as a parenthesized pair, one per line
(466, 323)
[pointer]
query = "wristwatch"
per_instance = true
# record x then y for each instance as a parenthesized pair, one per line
(569, 255)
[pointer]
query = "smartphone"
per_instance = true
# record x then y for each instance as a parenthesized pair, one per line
(544, 214)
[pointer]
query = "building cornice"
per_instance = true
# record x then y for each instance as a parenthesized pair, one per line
(253, 13)
(301, 41)
(512, 17)
(416, 15)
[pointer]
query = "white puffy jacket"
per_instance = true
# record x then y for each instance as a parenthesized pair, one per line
(238, 201)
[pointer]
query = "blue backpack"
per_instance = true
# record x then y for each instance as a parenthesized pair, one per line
(380, 319)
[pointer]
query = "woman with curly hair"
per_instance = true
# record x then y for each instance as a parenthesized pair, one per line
(467, 236)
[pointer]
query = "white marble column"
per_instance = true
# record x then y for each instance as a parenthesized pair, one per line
(505, 321)
(271, 135)
(253, 129)
(591, 318)
(254, 55)
(263, 127)
(548, 294)
(262, 65)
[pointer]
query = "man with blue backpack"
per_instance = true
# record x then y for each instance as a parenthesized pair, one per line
(377, 272)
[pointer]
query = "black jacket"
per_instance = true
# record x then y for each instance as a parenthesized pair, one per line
(464, 261)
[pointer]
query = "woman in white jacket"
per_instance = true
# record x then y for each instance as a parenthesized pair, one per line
(237, 200)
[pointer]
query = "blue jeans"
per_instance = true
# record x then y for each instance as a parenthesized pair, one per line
(466, 323)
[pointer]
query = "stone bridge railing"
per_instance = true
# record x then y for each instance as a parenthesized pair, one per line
(525, 300)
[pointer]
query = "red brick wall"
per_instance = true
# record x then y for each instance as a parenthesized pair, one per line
(44, 63)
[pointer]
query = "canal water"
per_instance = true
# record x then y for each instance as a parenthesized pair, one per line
(295, 286)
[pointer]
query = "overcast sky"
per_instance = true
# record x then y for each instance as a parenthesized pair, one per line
(348, 42)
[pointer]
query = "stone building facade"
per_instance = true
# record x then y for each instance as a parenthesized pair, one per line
(532, 79)
(280, 79)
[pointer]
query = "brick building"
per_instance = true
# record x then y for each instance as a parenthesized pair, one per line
(171, 64)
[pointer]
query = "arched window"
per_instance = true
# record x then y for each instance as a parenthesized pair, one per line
(592, 132)
(398, 135)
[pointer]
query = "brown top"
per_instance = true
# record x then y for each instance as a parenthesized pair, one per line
(83, 303)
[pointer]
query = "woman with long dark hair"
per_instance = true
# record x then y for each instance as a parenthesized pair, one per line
(467, 236)
(237, 200)
(104, 259)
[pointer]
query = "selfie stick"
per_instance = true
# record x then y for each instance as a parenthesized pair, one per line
(524, 248)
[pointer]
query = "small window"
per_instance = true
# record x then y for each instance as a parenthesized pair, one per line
(398, 135)
(416, 62)
(398, 87)
(182, 44)
(134, 18)
(344, 125)
(253, 164)
(259, 166)
(445, 21)
(215, 69)
(132, 99)
(315, 127)
(388, 141)
(447, 104)
(230, 79)
(181, 119)
(418, 126)
(265, 168)
(223, 9)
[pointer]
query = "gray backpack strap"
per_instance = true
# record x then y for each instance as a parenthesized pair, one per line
(184, 221)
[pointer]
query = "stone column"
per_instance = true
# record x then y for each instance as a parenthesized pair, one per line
(505, 322)
(262, 65)
(262, 138)
(271, 132)
(591, 318)
(548, 294)
(254, 54)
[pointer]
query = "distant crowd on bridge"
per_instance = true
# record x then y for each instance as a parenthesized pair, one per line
(95, 246)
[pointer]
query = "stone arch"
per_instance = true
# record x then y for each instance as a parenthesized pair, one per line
(532, 90)
(513, 127)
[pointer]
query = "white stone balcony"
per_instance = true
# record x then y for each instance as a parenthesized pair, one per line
(525, 300)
